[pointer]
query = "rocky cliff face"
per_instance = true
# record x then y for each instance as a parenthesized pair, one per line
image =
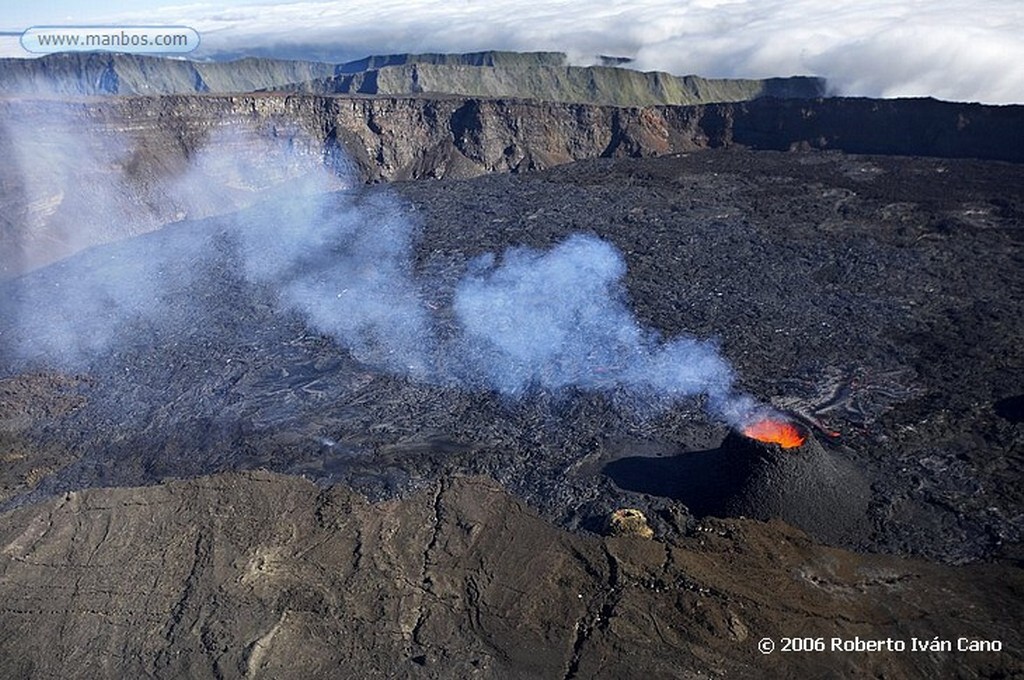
(591, 85)
(85, 74)
(398, 138)
(541, 75)
(145, 141)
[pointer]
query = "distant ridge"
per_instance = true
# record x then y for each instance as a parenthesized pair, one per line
(87, 74)
(489, 58)
(531, 75)
(603, 85)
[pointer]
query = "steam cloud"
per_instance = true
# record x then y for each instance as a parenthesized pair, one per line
(348, 269)
(523, 321)
(559, 318)
(876, 48)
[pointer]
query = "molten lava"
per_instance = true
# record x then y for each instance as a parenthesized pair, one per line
(784, 433)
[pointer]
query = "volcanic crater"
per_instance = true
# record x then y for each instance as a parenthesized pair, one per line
(876, 299)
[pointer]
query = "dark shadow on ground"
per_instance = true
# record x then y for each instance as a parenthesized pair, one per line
(702, 480)
(1011, 408)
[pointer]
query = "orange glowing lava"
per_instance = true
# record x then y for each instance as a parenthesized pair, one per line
(785, 434)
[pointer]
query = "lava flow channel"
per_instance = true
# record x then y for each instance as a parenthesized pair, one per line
(786, 434)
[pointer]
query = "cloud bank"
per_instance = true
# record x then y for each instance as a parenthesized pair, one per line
(878, 48)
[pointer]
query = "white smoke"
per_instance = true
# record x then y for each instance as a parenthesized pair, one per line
(559, 319)
(345, 263)
(76, 187)
(525, 320)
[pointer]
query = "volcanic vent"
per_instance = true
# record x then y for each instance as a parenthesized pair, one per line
(770, 467)
(236, 365)
(774, 430)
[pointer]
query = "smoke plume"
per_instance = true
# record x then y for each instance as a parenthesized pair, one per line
(559, 319)
(524, 320)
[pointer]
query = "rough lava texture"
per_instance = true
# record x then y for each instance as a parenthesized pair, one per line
(879, 296)
(261, 575)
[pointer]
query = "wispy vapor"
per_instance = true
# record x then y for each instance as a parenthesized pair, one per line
(560, 318)
(520, 321)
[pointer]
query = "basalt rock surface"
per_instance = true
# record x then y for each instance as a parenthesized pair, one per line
(878, 296)
(809, 486)
(261, 575)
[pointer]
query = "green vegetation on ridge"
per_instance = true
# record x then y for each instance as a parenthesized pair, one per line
(534, 75)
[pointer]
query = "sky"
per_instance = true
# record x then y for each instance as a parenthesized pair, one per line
(946, 49)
